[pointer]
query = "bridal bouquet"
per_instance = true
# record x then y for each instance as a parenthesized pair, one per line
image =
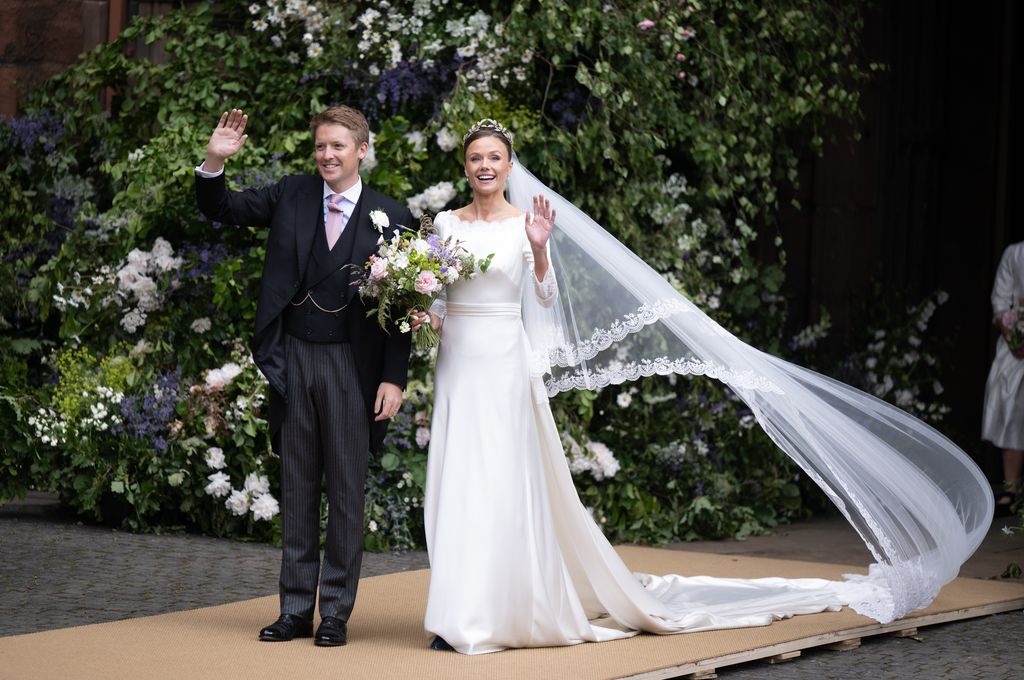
(409, 271)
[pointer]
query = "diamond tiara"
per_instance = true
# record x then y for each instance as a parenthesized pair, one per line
(489, 124)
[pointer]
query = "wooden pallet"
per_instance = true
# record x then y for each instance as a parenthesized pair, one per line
(842, 640)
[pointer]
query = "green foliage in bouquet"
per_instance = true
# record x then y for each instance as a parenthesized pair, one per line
(124, 314)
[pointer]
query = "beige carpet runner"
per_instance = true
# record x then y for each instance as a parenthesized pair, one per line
(386, 638)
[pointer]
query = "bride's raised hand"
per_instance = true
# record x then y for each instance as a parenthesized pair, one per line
(227, 138)
(540, 222)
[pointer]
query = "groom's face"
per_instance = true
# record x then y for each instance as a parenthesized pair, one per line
(338, 155)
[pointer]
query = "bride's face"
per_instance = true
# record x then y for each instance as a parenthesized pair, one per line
(487, 165)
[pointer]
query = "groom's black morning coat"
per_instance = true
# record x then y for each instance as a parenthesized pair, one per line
(293, 210)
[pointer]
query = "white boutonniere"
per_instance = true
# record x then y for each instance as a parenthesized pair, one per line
(380, 220)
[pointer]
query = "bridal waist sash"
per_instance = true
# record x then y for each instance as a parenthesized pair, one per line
(483, 309)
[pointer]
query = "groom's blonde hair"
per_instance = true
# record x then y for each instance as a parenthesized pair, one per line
(346, 116)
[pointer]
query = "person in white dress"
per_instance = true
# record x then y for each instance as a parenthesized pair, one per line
(1003, 415)
(516, 559)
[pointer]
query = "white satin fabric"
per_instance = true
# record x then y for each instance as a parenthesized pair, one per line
(1003, 416)
(516, 559)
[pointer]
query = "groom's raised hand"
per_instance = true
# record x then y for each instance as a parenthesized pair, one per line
(227, 138)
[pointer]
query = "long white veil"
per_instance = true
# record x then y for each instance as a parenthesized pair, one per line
(918, 501)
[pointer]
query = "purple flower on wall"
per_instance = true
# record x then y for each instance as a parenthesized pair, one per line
(200, 259)
(146, 416)
(570, 108)
(44, 128)
(411, 88)
(251, 178)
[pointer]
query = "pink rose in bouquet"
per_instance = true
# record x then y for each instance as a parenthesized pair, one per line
(427, 283)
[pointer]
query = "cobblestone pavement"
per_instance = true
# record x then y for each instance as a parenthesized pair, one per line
(56, 573)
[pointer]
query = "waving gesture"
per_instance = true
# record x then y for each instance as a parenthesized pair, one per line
(227, 138)
(540, 222)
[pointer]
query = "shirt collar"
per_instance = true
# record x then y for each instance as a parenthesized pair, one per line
(351, 194)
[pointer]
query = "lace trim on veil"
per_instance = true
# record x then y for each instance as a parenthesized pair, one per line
(601, 339)
(573, 354)
(617, 372)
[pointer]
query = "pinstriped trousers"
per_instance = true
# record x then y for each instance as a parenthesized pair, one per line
(325, 436)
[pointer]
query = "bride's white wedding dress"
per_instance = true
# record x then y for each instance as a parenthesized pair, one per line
(516, 559)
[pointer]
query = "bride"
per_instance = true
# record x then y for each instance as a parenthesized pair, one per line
(516, 559)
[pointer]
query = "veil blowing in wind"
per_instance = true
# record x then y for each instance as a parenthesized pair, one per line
(917, 500)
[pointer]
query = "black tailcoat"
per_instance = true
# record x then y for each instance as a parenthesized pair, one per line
(293, 210)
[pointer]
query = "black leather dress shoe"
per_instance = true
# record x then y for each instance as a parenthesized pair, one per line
(288, 626)
(333, 632)
(441, 644)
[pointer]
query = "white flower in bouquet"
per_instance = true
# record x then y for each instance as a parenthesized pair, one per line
(237, 502)
(380, 220)
(372, 526)
(624, 399)
(219, 486)
(215, 458)
(420, 246)
(265, 507)
(201, 325)
(422, 436)
(257, 484)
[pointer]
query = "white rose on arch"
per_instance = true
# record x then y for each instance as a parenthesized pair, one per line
(380, 220)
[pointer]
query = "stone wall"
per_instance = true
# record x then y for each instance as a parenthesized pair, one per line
(38, 38)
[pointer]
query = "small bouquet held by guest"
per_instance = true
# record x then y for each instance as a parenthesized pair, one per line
(409, 271)
(1012, 325)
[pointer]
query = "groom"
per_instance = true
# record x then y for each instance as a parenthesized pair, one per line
(335, 376)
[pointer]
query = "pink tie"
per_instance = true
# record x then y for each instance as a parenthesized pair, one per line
(335, 219)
